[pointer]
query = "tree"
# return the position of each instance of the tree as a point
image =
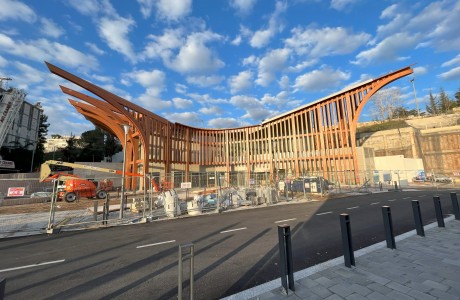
(432, 107)
(457, 97)
(40, 149)
(385, 102)
(112, 146)
(445, 104)
(71, 151)
(402, 112)
(92, 142)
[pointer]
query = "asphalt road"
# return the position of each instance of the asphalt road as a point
(233, 251)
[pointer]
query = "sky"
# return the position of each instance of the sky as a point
(225, 63)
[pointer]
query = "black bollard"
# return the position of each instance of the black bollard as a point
(453, 197)
(418, 218)
(2, 288)
(286, 264)
(388, 225)
(348, 254)
(95, 207)
(438, 209)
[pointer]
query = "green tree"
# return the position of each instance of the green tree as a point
(112, 146)
(71, 151)
(39, 156)
(92, 142)
(457, 98)
(445, 104)
(432, 107)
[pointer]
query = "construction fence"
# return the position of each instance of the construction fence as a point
(29, 206)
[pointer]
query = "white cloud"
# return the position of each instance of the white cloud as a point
(40, 50)
(254, 108)
(195, 57)
(162, 46)
(206, 100)
(16, 10)
(236, 41)
(453, 74)
(213, 110)
(3, 62)
(115, 32)
(342, 4)
(86, 7)
(100, 78)
(320, 79)
(241, 82)
(452, 62)
(420, 70)
(303, 65)
(187, 118)
(205, 81)
(325, 41)
(226, 123)
(243, 7)
(154, 78)
(181, 103)
(95, 49)
(262, 37)
(50, 28)
(284, 83)
(181, 88)
(388, 49)
(250, 61)
(273, 62)
(172, 10)
(146, 7)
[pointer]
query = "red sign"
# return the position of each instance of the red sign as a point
(16, 191)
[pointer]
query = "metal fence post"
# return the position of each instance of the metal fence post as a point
(180, 271)
(95, 207)
(388, 225)
(438, 209)
(455, 208)
(2, 288)
(418, 218)
(346, 240)
(285, 249)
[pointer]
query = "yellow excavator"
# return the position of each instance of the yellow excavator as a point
(73, 187)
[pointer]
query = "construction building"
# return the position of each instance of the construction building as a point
(319, 136)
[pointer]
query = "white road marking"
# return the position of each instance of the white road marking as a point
(374, 203)
(285, 220)
(225, 231)
(421, 196)
(324, 213)
(353, 207)
(160, 243)
(34, 265)
(391, 200)
(406, 197)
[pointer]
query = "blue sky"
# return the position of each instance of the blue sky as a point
(225, 63)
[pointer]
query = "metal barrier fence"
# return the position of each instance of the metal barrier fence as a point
(29, 206)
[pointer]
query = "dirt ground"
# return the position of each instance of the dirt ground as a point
(45, 207)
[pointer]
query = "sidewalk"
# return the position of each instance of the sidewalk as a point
(420, 268)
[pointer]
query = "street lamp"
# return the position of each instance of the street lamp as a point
(415, 96)
(126, 129)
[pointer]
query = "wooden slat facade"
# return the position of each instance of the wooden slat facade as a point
(315, 137)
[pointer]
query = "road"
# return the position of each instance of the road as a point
(233, 251)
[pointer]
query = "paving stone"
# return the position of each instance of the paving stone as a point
(398, 287)
(341, 290)
(436, 285)
(442, 295)
(379, 288)
(334, 297)
(355, 297)
(376, 296)
(420, 296)
(359, 289)
(321, 291)
(307, 282)
(326, 282)
(399, 296)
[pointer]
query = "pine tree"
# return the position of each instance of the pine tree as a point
(432, 107)
(445, 104)
(42, 132)
(457, 97)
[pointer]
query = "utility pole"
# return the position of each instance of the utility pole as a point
(415, 96)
